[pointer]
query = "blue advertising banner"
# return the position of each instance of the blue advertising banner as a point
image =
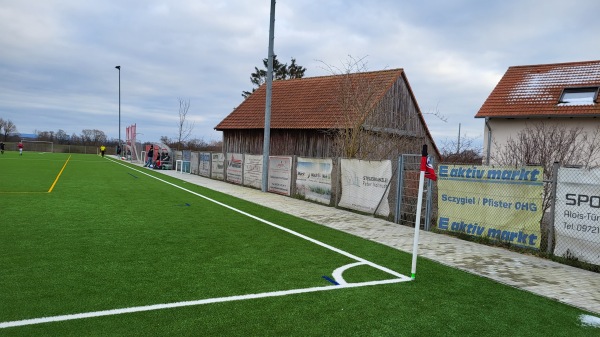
(499, 203)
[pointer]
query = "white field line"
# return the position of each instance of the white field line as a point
(189, 303)
(337, 274)
(324, 245)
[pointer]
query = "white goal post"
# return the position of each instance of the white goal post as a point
(38, 146)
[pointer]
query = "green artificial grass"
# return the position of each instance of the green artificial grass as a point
(108, 236)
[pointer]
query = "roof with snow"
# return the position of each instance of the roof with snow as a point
(547, 90)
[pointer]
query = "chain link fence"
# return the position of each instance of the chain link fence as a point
(503, 204)
(575, 214)
(407, 190)
(39, 146)
(516, 206)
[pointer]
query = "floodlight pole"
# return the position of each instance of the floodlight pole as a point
(267, 133)
(119, 144)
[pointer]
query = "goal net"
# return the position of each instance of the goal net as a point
(38, 146)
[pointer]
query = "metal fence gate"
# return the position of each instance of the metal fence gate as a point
(407, 191)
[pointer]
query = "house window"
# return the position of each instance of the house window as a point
(578, 96)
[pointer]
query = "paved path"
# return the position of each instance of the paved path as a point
(573, 286)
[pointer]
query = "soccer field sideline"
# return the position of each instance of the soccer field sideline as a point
(339, 283)
(180, 263)
(563, 283)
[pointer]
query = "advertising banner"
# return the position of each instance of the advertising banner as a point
(204, 164)
(253, 170)
(577, 214)
(186, 164)
(280, 175)
(313, 179)
(500, 203)
(235, 164)
(365, 184)
(218, 166)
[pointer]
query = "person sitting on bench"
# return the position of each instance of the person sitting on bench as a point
(165, 161)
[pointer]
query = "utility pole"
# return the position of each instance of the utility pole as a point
(119, 145)
(458, 142)
(267, 133)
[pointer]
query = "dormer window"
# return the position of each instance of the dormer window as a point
(579, 96)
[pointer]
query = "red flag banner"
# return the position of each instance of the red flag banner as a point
(428, 168)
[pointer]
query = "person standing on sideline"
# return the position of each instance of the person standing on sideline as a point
(2, 147)
(102, 150)
(150, 156)
(20, 148)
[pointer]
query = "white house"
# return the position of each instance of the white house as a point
(564, 94)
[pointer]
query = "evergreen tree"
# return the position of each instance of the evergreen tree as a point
(280, 72)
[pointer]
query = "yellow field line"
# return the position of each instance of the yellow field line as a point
(58, 176)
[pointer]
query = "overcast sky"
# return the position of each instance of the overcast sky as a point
(58, 57)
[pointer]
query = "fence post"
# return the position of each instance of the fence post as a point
(243, 167)
(294, 168)
(338, 183)
(555, 168)
(399, 187)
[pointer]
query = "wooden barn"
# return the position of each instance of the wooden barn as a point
(367, 115)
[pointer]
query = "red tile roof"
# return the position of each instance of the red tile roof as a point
(305, 103)
(534, 91)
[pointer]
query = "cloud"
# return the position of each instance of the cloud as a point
(58, 56)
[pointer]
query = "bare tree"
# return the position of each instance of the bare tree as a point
(371, 126)
(185, 128)
(8, 127)
(543, 144)
(86, 136)
(461, 151)
(166, 140)
(197, 144)
(99, 137)
(44, 135)
(75, 139)
(62, 137)
(215, 146)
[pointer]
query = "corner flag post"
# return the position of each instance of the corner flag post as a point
(426, 171)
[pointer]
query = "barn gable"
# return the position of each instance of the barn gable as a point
(308, 114)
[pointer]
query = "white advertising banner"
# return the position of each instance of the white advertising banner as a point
(280, 175)
(365, 184)
(218, 166)
(235, 162)
(253, 170)
(577, 214)
(313, 179)
(204, 164)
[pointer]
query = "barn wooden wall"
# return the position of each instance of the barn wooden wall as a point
(309, 143)
(396, 114)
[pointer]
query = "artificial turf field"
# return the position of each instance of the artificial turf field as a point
(91, 246)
